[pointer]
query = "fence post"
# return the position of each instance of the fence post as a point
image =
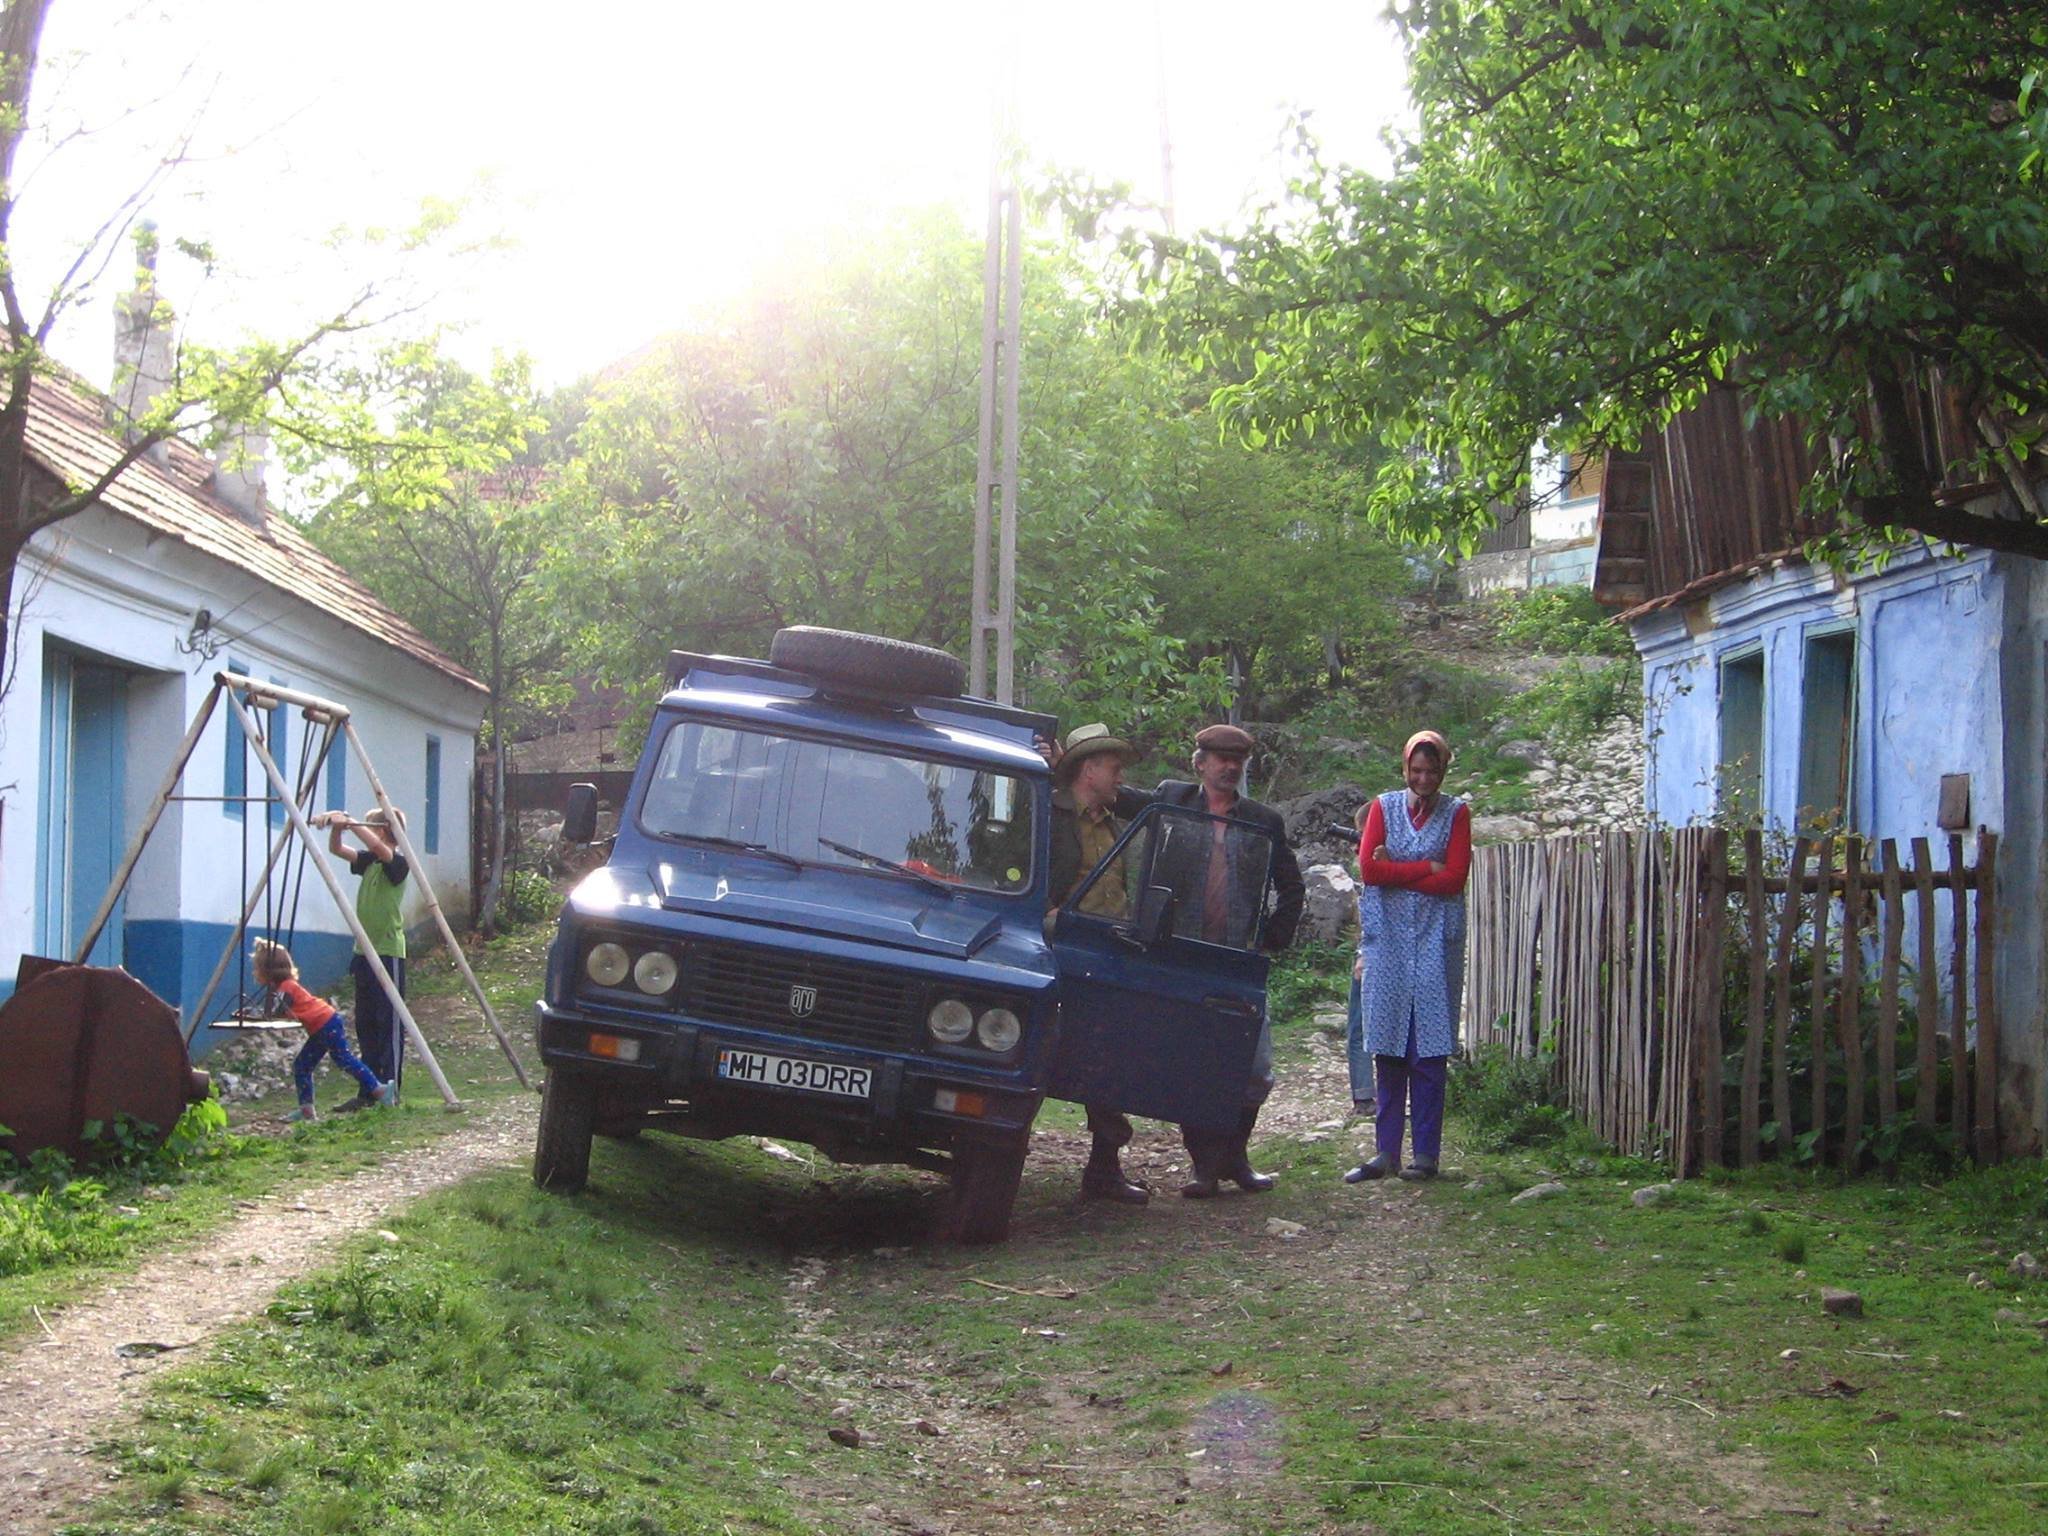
(1851, 1014)
(1759, 973)
(1986, 1140)
(1817, 1002)
(1959, 993)
(1928, 1032)
(1894, 899)
(1709, 992)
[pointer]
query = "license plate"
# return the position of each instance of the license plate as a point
(794, 1072)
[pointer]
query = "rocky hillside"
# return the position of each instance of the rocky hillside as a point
(1539, 700)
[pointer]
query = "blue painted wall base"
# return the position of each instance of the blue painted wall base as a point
(173, 959)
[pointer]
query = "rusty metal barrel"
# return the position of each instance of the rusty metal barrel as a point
(84, 1043)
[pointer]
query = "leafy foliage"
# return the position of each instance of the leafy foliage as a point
(810, 458)
(1561, 621)
(1571, 705)
(51, 1213)
(1507, 1100)
(529, 898)
(1607, 207)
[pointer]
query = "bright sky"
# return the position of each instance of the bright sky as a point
(643, 158)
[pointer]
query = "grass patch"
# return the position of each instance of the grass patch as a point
(60, 1235)
(514, 1362)
(1922, 1409)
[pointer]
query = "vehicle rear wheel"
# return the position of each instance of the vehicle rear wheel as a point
(871, 661)
(568, 1114)
(986, 1177)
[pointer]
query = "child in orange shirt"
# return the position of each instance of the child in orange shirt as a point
(326, 1031)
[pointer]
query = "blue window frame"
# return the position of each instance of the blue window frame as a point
(337, 773)
(235, 775)
(280, 750)
(433, 794)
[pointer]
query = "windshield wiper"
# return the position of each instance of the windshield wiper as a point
(732, 842)
(861, 855)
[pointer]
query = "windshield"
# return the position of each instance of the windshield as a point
(968, 826)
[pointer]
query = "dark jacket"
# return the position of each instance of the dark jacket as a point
(1285, 877)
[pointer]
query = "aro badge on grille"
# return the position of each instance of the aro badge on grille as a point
(802, 1000)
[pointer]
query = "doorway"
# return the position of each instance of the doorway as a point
(82, 783)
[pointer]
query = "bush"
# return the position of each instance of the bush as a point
(52, 1214)
(1562, 621)
(1572, 704)
(528, 898)
(1508, 1100)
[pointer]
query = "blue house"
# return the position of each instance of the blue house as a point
(1897, 702)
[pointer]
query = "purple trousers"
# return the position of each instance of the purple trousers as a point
(1409, 1085)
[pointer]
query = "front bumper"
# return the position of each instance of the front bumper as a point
(678, 1061)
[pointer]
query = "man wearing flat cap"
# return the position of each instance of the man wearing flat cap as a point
(1211, 879)
(1086, 779)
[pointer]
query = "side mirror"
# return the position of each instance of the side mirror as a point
(1154, 921)
(579, 816)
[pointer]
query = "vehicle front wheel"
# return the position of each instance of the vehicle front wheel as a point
(986, 1177)
(568, 1115)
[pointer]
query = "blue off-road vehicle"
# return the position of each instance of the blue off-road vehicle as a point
(824, 918)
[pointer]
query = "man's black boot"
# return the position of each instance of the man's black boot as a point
(1103, 1179)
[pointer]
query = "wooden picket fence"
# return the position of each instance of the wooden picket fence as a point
(1612, 951)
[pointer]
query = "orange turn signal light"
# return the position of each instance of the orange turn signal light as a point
(617, 1047)
(955, 1101)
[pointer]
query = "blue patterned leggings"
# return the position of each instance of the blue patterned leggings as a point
(330, 1039)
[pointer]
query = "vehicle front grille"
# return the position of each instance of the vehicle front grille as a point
(759, 988)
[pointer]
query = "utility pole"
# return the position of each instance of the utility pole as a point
(995, 615)
(1165, 123)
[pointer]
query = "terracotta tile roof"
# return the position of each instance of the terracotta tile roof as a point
(67, 436)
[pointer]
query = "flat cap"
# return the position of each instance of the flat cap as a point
(1225, 738)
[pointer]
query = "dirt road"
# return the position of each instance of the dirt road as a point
(1060, 1457)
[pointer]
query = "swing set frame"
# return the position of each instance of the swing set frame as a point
(243, 696)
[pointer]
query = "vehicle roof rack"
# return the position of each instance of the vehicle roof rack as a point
(963, 708)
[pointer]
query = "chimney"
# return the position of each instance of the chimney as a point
(142, 342)
(238, 471)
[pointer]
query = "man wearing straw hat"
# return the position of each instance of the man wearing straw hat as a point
(1086, 777)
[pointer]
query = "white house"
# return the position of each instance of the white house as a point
(122, 615)
(1550, 540)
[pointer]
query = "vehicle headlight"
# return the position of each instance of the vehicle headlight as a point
(654, 972)
(950, 1021)
(606, 964)
(999, 1029)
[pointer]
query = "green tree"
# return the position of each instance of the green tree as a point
(1266, 560)
(810, 458)
(432, 507)
(1606, 207)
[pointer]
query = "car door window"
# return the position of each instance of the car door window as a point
(1211, 870)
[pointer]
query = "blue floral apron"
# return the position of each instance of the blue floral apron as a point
(1414, 945)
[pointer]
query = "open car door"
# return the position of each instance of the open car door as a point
(1162, 983)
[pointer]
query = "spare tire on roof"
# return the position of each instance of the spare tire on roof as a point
(870, 661)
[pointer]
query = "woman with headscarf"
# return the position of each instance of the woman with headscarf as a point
(1413, 857)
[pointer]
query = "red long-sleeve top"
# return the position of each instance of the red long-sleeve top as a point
(311, 1012)
(1415, 874)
